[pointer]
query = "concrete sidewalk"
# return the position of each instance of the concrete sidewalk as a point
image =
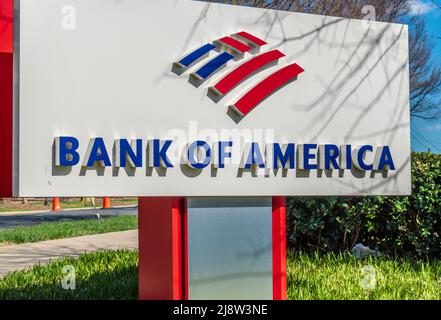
(18, 257)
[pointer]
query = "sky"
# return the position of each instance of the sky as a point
(427, 134)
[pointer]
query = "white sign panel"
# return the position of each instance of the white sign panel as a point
(187, 98)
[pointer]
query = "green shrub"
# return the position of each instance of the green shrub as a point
(399, 226)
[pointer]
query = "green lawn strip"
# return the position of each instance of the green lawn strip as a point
(68, 229)
(73, 204)
(113, 275)
(6, 210)
(343, 277)
(99, 275)
(66, 204)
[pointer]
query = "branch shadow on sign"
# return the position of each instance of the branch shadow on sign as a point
(202, 16)
(330, 92)
(373, 189)
(358, 84)
(346, 78)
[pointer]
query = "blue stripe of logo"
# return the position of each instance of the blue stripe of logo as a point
(196, 55)
(213, 65)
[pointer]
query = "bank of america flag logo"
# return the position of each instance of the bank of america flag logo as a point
(233, 48)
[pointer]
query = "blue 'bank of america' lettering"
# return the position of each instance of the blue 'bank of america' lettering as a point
(200, 154)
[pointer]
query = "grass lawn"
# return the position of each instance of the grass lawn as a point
(68, 229)
(342, 277)
(100, 275)
(67, 203)
(113, 275)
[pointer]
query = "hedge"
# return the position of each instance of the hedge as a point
(397, 226)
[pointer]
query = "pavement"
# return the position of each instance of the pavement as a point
(20, 219)
(23, 256)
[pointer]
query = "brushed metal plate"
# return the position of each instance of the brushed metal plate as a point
(230, 248)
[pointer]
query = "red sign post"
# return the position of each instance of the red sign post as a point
(163, 248)
(6, 96)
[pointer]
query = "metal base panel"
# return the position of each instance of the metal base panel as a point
(229, 243)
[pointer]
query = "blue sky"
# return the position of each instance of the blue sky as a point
(427, 134)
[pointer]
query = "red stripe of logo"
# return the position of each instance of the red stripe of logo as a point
(242, 47)
(249, 67)
(250, 38)
(266, 87)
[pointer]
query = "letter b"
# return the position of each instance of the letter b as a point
(66, 154)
